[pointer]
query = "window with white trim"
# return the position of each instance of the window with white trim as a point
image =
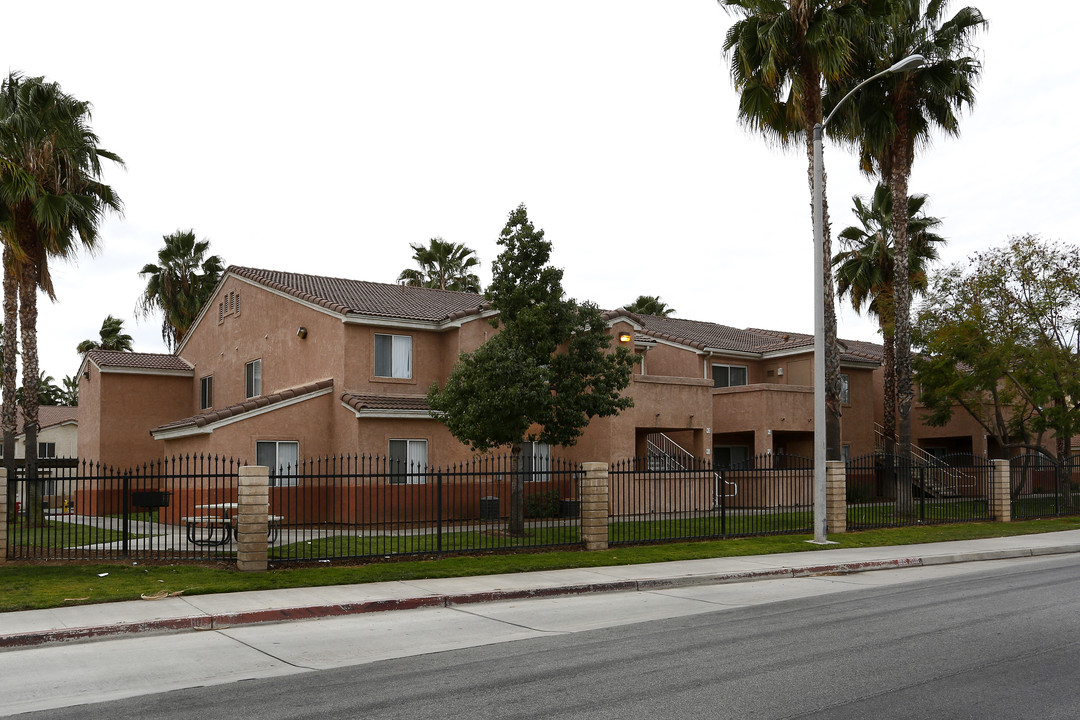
(393, 356)
(408, 462)
(46, 450)
(282, 457)
(206, 392)
(845, 390)
(253, 379)
(728, 375)
(536, 460)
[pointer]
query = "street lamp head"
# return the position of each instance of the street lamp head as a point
(909, 63)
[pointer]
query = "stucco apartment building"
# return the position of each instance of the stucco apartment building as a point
(284, 366)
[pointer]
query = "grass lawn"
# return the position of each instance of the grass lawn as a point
(53, 534)
(24, 587)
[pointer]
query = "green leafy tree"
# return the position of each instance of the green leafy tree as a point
(999, 336)
(545, 375)
(650, 305)
(53, 201)
(782, 54)
(179, 284)
(49, 393)
(112, 337)
(865, 272)
(70, 391)
(443, 265)
(889, 120)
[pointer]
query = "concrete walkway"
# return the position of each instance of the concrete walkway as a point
(209, 612)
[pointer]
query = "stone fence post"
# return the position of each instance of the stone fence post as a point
(594, 506)
(1000, 491)
(252, 523)
(836, 496)
(3, 515)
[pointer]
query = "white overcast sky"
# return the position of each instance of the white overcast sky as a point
(324, 137)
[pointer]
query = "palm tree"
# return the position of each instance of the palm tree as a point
(70, 392)
(55, 202)
(650, 305)
(112, 335)
(865, 272)
(179, 284)
(443, 265)
(889, 120)
(782, 54)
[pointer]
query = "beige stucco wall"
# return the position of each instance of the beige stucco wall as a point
(66, 437)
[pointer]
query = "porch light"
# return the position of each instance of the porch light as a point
(624, 337)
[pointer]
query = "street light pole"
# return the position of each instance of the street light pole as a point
(820, 500)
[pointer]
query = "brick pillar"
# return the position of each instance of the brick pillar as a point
(594, 506)
(1000, 486)
(3, 516)
(836, 496)
(251, 518)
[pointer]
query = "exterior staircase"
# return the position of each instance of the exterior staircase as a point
(940, 480)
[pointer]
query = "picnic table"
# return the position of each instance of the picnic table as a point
(220, 528)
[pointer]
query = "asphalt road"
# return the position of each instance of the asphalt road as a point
(984, 640)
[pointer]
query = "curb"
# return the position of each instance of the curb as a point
(222, 621)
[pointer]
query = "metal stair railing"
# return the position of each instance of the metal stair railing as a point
(670, 455)
(942, 480)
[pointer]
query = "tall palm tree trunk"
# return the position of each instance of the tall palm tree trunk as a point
(10, 408)
(31, 379)
(899, 169)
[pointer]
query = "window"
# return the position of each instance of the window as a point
(393, 356)
(46, 450)
(845, 392)
(253, 379)
(725, 456)
(536, 460)
(206, 392)
(845, 453)
(728, 375)
(282, 457)
(408, 461)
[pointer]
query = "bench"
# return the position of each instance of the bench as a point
(273, 527)
(211, 522)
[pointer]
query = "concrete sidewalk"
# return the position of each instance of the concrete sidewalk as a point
(209, 612)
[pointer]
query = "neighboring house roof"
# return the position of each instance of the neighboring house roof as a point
(50, 416)
(115, 360)
(207, 421)
(358, 297)
(712, 337)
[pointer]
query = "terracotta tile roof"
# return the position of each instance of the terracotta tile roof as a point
(48, 416)
(358, 297)
(702, 335)
(386, 402)
(256, 403)
(137, 361)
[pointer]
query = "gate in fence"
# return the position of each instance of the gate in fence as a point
(691, 500)
(890, 490)
(1044, 486)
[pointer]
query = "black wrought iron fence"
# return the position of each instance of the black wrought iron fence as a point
(767, 494)
(1044, 486)
(362, 506)
(890, 490)
(171, 509)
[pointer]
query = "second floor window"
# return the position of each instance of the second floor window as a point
(206, 392)
(393, 356)
(845, 390)
(728, 375)
(253, 379)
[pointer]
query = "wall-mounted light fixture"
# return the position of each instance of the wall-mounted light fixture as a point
(302, 332)
(86, 374)
(625, 337)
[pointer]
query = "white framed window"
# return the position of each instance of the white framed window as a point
(393, 356)
(206, 392)
(729, 375)
(536, 460)
(845, 390)
(46, 450)
(253, 379)
(408, 462)
(282, 457)
(845, 453)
